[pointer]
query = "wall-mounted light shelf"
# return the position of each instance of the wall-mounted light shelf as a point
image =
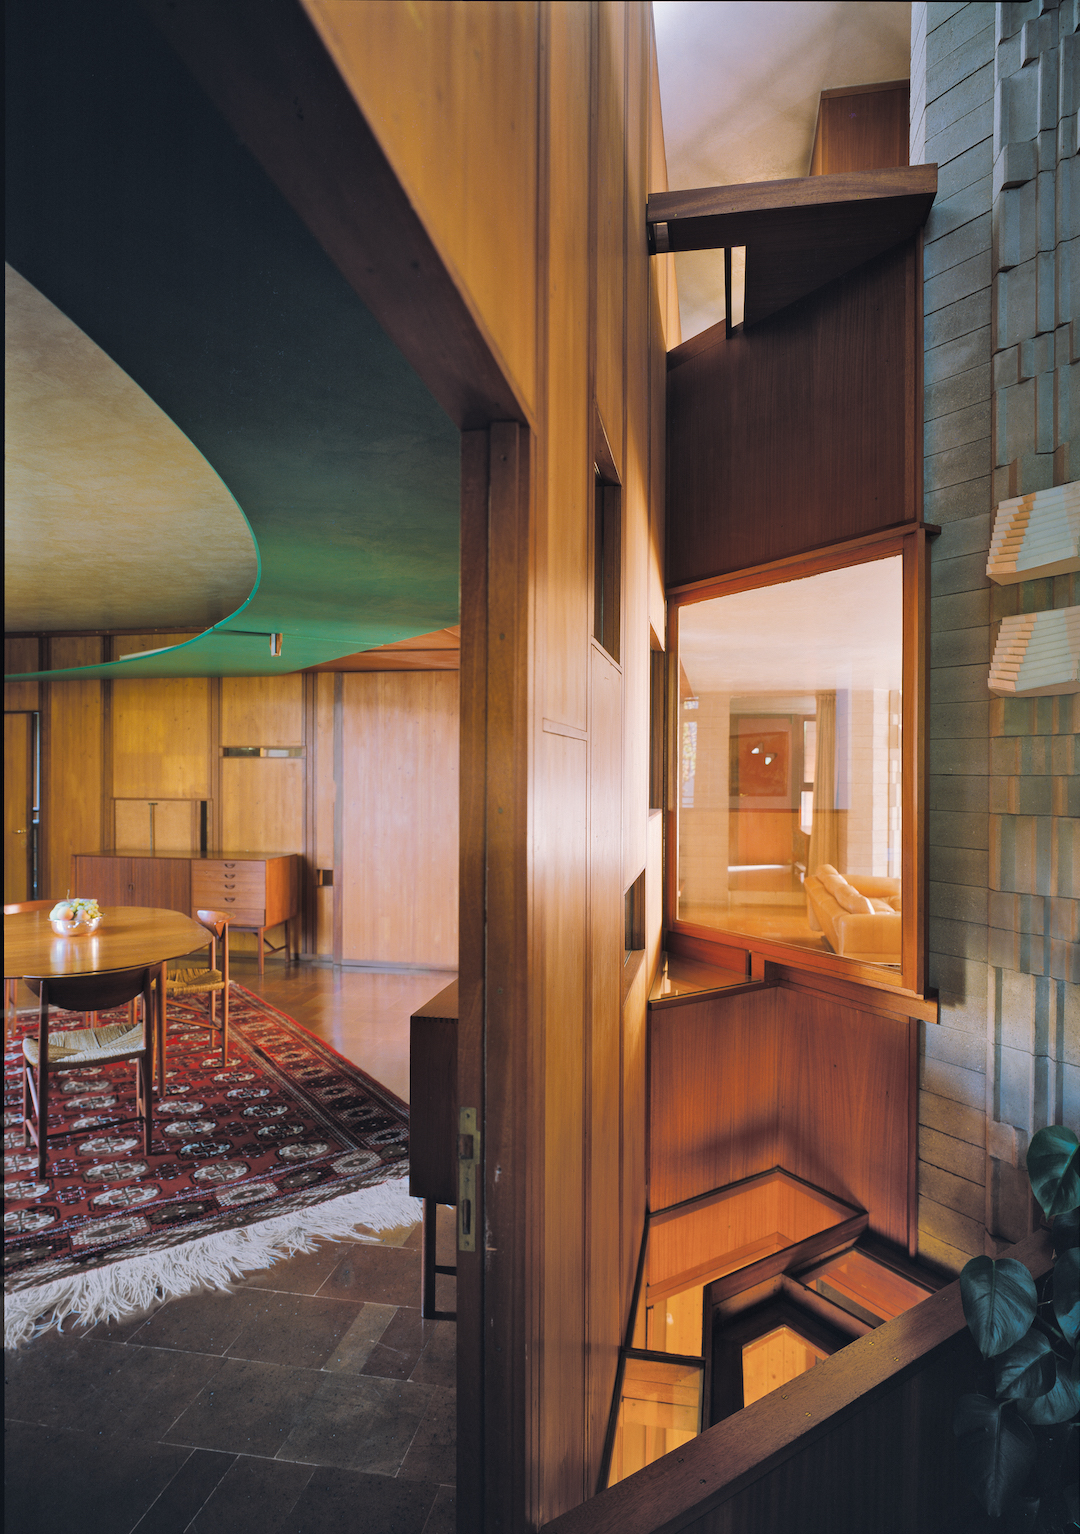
(275, 751)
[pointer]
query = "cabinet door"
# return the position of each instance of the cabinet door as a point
(162, 883)
(106, 880)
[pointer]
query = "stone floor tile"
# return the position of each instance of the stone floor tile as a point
(199, 1323)
(383, 1274)
(303, 1273)
(437, 1364)
(335, 1500)
(248, 1408)
(354, 1347)
(58, 1480)
(443, 1516)
(252, 1494)
(301, 1329)
(432, 1454)
(365, 1424)
(186, 1493)
(399, 1349)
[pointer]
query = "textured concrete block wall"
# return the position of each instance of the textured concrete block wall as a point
(994, 104)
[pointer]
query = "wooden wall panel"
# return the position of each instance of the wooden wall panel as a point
(399, 793)
(321, 763)
(862, 127)
(262, 710)
(603, 1060)
(565, 473)
(161, 738)
(789, 436)
(262, 804)
(71, 815)
(20, 655)
(710, 1123)
(843, 1106)
(176, 825)
(609, 207)
(562, 1330)
(450, 91)
(636, 640)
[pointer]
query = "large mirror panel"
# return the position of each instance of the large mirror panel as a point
(790, 764)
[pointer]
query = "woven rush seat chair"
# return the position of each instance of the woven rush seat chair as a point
(11, 985)
(71, 1049)
(186, 979)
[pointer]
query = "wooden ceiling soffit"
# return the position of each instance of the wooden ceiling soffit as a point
(272, 79)
(798, 234)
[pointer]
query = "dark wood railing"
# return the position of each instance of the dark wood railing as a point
(862, 1442)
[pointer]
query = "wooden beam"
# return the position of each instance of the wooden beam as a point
(799, 234)
(269, 74)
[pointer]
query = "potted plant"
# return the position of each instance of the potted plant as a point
(1018, 1437)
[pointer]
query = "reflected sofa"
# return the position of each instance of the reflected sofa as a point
(859, 915)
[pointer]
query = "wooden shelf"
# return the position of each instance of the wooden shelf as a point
(799, 234)
(681, 980)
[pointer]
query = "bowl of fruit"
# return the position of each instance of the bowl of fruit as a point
(70, 916)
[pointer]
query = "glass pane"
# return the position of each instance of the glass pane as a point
(659, 1410)
(789, 772)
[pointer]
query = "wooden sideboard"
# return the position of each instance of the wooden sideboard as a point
(255, 891)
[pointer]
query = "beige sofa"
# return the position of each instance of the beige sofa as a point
(859, 916)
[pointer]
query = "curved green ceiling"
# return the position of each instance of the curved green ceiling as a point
(136, 211)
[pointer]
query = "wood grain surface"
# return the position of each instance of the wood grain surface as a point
(810, 1457)
(791, 437)
(128, 938)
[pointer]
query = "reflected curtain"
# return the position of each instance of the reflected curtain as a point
(825, 830)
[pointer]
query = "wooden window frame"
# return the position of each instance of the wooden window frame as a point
(911, 544)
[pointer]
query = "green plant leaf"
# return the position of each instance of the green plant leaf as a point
(1067, 1230)
(1027, 1369)
(1067, 1292)
(1060, 1403)
(997, 1450)
(1053, 1163)
(999, 1302)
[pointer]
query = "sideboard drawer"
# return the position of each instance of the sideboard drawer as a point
(211, 880)
(239, 915)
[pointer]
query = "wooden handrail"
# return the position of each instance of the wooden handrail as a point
(863, 1440)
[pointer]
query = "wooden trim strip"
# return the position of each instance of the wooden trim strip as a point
(556, 727)
(832, 556)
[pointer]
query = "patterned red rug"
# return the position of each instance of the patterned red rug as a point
(288, 1143)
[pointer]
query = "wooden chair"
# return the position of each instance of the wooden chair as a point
(11, 985)
(73, 1049)
(185, 980)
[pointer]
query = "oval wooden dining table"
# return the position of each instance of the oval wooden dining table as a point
(129, 937)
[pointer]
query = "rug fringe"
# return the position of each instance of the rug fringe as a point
(121, 1289)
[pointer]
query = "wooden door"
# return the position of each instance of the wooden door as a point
(163, 884)
(104, 879)
(18, 805)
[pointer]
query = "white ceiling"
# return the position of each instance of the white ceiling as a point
(739, 87)
(841, 629)
(113, 518)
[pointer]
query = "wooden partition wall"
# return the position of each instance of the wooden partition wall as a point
(526, 138)
(370, 797)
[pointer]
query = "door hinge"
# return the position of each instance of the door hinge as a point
(468, 1157)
